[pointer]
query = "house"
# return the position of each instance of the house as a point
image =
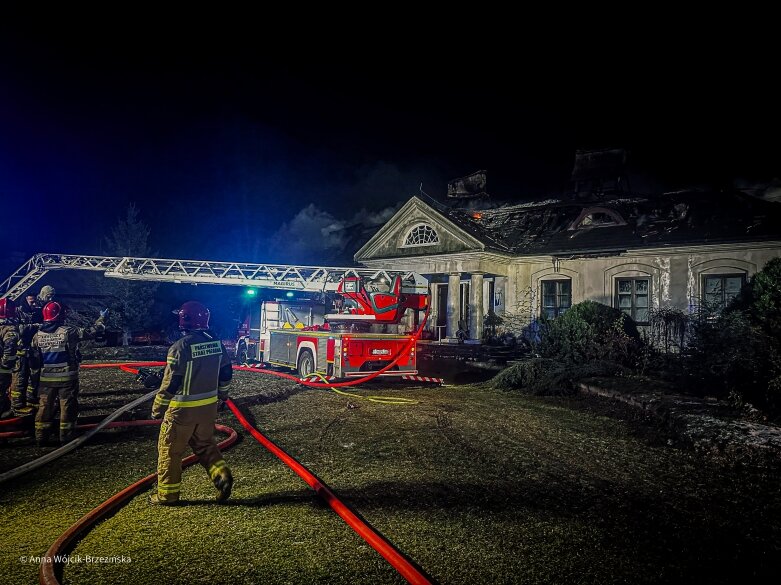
(599, 242)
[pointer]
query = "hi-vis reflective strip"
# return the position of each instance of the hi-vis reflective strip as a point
(169, 488)
(215, 469)
(188, 375)
(60, 377)
(194, 400)
(162, 401)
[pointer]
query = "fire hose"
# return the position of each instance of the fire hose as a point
(49, 568)
(57, 453)
(390, 553)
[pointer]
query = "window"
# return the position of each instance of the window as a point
(421, 235)
(632, 297)
(556, 297)
(720, 289)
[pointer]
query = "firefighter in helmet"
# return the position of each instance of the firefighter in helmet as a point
(54, 350)
(197, 374)
(24, 391)
(9, 337)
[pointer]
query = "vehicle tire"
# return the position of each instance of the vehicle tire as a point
(306, 363)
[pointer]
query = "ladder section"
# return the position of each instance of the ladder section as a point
(276, 276)
(31, 271)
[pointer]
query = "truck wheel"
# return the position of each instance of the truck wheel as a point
(306, 363)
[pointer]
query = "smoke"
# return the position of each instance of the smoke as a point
(335, 227)
(316, 236)
(767, 190)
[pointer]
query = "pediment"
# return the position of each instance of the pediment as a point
(417, 229)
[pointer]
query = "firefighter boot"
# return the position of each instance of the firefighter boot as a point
(154, 500)
(224, 484)
(66, 432)
(43, 434)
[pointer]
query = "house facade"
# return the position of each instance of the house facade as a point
(632, 252)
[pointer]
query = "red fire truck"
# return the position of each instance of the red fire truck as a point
(345, 332)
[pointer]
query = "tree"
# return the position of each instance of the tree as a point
(131, 302)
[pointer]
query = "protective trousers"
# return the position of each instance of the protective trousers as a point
(184, 426)
(5, 384)
(47, 408)
(25, 385)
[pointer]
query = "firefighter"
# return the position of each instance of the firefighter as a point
(197, 374)
(54, 351)
(9, 337)
(24, 389)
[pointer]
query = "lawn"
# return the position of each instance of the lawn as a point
(474, 485)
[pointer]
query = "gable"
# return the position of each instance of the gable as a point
(417, 229)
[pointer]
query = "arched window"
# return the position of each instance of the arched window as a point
(421, 235)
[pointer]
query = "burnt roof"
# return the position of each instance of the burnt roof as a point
(629, 222)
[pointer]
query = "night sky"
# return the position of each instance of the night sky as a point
(231, 154)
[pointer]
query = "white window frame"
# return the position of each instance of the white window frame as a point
(407, 235)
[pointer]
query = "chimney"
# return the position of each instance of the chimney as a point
(469, 187)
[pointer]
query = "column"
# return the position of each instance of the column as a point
(476, 311)
(453, 298)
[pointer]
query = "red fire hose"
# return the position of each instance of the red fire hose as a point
(390, 553)
(49, 569)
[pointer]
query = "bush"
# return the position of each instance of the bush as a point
(589, 331)
(738, 353)
(590, 339)
(548, 377)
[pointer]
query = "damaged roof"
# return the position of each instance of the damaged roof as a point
(576, 226)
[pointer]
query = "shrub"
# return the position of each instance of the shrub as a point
(738, 353)
(544, 376)
(590, 339)
(589, 331)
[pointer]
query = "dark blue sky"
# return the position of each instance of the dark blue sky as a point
(230, 154)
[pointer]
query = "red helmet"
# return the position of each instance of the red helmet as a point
(193, 315)
(53, 311)
(7, 310)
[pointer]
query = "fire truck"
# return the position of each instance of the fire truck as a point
(334, 321)
(343, 331)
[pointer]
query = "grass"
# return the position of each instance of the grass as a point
(475, 485)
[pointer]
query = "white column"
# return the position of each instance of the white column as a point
(453, 304)
(476, 311)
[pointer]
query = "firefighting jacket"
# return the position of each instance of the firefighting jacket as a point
(54, 350)
(9, 338)
(197, 367)
(26, 333)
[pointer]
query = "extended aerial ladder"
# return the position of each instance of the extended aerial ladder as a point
(380, 295)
